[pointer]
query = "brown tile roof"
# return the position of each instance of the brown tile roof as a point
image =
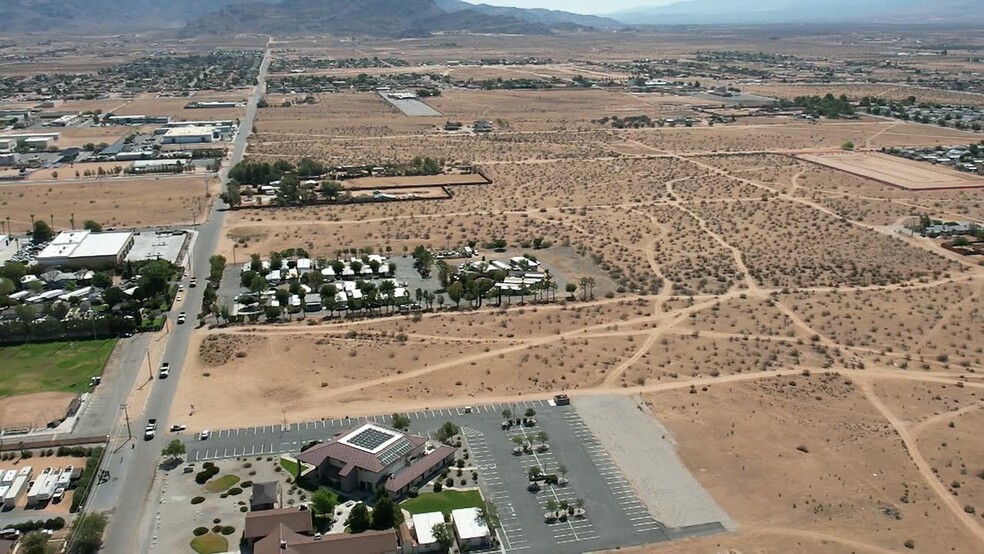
(418, 468)
(261, 524)
(369, 542)
(265, 493)
(350, 455)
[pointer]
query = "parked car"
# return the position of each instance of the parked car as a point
(178, 297)
(205, 435)
(165, 370)
(58, 494)
(562, 400)
(177, 428)
(180, 287)
(95, 381)
(193, 283)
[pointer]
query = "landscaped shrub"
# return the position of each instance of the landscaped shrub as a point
(55, 523)
(437, 487)
(228, 530)
(414, 492)
(243, 509)
(449, 482)
(216, 528)
(199, 531)
(207, 465)
(246, 484)
(198, 500)
(235, 490)
(216, 520)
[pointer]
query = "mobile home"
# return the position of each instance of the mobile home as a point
(39, 483)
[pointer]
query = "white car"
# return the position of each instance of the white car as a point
(165, 370)
(181, 287)
(178, 297)
(204, 435)
(182, 317)
(177, 428)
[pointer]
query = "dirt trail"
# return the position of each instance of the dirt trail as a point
(909, 441)
(921, 426)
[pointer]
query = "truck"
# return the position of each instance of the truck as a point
(16, 490)
(8, 477)
(35, 491)
(151, 429)
(65, 477)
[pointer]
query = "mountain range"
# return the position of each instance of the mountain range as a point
(381, 18)
(714, 12)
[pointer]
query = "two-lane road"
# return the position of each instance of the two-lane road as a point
(133, 468)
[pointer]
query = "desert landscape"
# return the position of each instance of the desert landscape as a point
(757, 278)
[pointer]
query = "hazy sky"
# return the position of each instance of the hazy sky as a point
(577, 6)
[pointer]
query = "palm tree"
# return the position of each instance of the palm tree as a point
(387, 289)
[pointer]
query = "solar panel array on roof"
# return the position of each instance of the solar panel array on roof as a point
(370, 438)
(395, 452)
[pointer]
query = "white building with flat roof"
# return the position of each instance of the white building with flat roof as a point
(423, 527)
(470, 528)
(86, 249)
(191, 134)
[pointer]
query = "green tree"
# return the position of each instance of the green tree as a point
(112, 296)
(400, 421)
(93, 226)
(848, 145)
(331, 189)
(445, 272)
(35, 542)
(174, 449)
(323, 502)
(86, 534)
(154, 277)
(232, 195)
(456, 292)
(14, 271)
(358, 519)
(258, 284)
(102, 280)
(272, 313)
(7, 287)
(384, 513)
(570, 288)
(42, 232)
(442, 533)
(490, 513)
(446, 431)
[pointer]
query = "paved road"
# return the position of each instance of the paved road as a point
(133, 467)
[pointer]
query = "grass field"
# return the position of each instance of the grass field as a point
(222, 483)
(209, 544)
(55, 366)
(442, 502)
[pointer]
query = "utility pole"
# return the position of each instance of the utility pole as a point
(150, 371)
(52, 220)
(73, 220)
(126, 415)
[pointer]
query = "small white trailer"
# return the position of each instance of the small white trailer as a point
(16, 490)
(39, 484)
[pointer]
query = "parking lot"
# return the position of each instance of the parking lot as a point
(614, 516)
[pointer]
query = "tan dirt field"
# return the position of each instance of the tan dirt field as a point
(429, 180)
(896, 171)
(818, 366)
(113, 202)
(34, 410)
(149, 104)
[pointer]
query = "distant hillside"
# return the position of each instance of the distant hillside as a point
(712, 12)
(121, 16)
(380, 18)
(535, 15)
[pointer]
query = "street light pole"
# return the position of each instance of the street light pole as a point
(150, 371)
(126, 415)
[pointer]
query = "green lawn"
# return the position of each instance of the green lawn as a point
(53, 366)
(442, 501)
(220, 484)
(209, 543)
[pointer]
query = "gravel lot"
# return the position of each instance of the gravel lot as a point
(634, 439)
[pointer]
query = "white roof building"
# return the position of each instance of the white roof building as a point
(423, 526)
(469, 526)
(86, 249)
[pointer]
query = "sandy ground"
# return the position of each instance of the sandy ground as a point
(34, 410)
(806, 357)
(897, 171)
(149, 104)
(113, 202)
